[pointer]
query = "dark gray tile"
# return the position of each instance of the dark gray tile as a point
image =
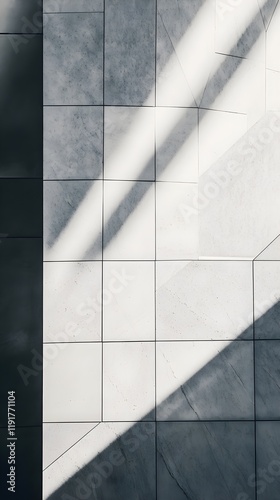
(28, 464)
(19, 16)
(268, 460)
(199, 461)
(21, 207)
(222, 389)
(267, 299)
(77, 79)
(21, 327)
(130, 52)
(267, 379)
(21, 106)
(73, 142)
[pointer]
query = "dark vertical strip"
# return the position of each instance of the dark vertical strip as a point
(254, 368)
(21, 224)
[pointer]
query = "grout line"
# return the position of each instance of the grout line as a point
(254, 374)
(151, 181)
(141, 260)
(75, 12)
(238, 420)
(163, 341)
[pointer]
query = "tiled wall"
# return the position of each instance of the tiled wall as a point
(161, 273)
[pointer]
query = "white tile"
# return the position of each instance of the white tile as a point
(72, 382)
(127, 129)
(183, 56)
(272, 90)
(177, 144)
(129, 381)
(129, 301)
(233, 222)
(129, 220)
(267, 299)
(204, 380)
(58, 438)
(239, 28)
(72, 301)
(273, 41)
(218, 132)
(204, 300)
(72, 220)
(229, 87)
(176, 221)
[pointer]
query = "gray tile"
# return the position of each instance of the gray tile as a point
(205, 381)
(268, 460)
(77, 79)
(73, 142)
(73, 5)
(127, 129)
(130, 52)
(267, 299)
(204, 300)
(272, 251)
(199, 461)
(72, 220)
(267, 360)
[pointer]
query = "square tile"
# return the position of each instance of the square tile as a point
(267, 299)
(21, 17)
(73, 142)
(115, 460)
(21, 75)
(177, 144)
(77, 79)
(176, 221)
(72, 220)
(72, 301)
(129, 301)
(129, 381)
(204, 300)
(130, 53)
(267, 357)
(72, 382)
(127, 129)
(21, 207)
(205, 381)
(129, 220)
(205, 460)
(218, 132)
(268, 459)
(73, 6)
